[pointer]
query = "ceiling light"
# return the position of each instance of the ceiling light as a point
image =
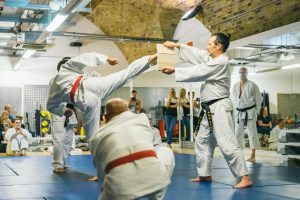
(291, 66)
(17, 65)
(56, 22)
(192, 12)
(28, 53)
(284, 56)
(55, 5)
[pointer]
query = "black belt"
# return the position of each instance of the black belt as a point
(245, 110)
(205, 108)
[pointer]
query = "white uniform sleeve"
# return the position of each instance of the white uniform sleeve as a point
(9, 133)
(26, 132)
(192, 55)
(97, 162)
(87, 59)
(258, 98)
(234, 95)
(198, 73)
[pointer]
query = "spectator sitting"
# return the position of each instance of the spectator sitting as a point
(273, 140)
(18, 137)
(20, 118)
(5, 124)
(264, 125)
(8, 108)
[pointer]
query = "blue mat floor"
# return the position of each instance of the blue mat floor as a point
(32, 178)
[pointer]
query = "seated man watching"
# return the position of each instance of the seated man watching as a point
(273, 140)
(18, 138)
(126, 161)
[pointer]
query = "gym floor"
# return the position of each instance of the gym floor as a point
(31, 177)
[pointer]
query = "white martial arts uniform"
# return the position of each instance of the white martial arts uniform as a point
(62, 139)
(19, 142)
(92, 90)
(250, 97)
(149, 177)
(273, 140)
(216, 74)
(156, 136)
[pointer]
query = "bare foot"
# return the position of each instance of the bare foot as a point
(67, 167)
(245, 183)
(95, 178)
(59, 170)
(251, 159)
(201, 179)
(23, 152)
(169, 145)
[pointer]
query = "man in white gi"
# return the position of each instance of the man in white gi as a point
(125, 158)
(18, 138)
(72, 85)
(274, 135)
(62, 134)
(246, 100)
(216, 128)
(156, 135)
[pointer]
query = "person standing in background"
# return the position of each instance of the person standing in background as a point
(184, 112)
(171, 114)
(246, 99)
(134, 104)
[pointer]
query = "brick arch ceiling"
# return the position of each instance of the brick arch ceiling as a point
(159, 18)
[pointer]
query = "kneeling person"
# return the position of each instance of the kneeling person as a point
(125, 158)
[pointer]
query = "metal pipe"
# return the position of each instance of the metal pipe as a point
(243, 13)
(114, 38)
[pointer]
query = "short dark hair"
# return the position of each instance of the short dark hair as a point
(133, 91)
(63, 61)
(223, 39)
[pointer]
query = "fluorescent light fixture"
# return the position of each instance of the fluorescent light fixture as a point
(191, 13)
(291, 66)
(28, 53)
(56, 22)
(55, 5)
(3, 43)
(17, 65)
(284, 56)
(246, 48)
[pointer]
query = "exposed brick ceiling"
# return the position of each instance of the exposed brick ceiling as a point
(159, 18)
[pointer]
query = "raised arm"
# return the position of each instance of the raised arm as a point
(90, 59)
(198, 73)
(189, 54)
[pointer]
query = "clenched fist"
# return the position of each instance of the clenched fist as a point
(112, 61)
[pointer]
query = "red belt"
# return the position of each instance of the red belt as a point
(75, 87)
(129, 158)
